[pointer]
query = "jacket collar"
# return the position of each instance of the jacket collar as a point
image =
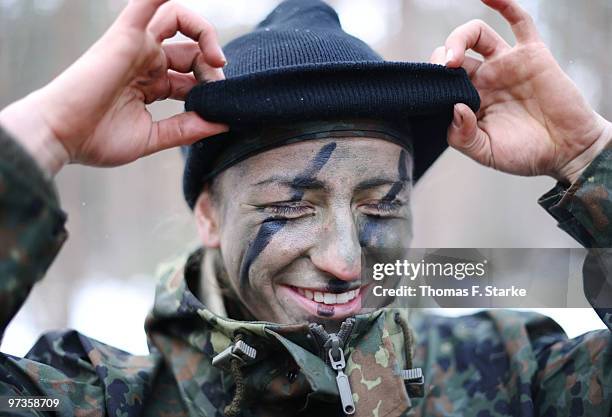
(189, 335)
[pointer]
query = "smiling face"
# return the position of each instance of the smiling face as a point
(291, 224)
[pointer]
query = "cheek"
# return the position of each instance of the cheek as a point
(384, 233)
(288, 244)
(232, 242)
(254, 254)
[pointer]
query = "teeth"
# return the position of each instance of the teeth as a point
(327, 297)
(343, 298)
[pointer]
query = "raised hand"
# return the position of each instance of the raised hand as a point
(533, 120)
(95, 112)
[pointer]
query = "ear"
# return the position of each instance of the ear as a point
(207, 219)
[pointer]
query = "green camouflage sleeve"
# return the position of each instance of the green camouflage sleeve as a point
(574, 376)
(31, 226)
(584, 210)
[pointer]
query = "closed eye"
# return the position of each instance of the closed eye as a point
(382, 208)
(288, 211)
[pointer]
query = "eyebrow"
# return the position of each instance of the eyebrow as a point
(377, 182)
(296, 183)
(315, 184)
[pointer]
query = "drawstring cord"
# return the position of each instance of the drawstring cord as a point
(235, 407)
(322, 337)
(413, 377)
(408, 338)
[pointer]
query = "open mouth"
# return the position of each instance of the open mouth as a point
(336, 305)
(328, 297)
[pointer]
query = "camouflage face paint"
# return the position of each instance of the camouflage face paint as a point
(337, 286)
(295, 225)
(402, 169)
(325, 310)
(371, 232)
(271, 226)
(268, 229)
(317, 163)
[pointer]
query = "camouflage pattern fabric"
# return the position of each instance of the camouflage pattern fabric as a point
(584, 211)
(494, 363)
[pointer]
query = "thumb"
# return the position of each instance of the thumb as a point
(465, 136)
(181, 129)
(138, 13)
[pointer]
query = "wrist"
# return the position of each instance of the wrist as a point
(23, 121)
(573, 169)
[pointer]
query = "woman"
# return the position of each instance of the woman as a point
(508, 364)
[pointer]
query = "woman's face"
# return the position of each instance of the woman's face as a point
(292, 223)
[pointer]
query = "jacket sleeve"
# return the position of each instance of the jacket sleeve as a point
(584, 210)
(31, 226)
(574, 376)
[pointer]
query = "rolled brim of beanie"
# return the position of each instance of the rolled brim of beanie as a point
(309, 92)
(208, 158)
(419, 94)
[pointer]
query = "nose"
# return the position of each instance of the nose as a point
(337, 251)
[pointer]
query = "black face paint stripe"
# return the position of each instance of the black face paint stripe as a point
(317, 163)
(265, 233)
(272, 226)
(325, 310)
(337, 286)
(370, 230)
(402, 169)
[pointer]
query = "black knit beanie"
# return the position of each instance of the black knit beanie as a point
(298, 65)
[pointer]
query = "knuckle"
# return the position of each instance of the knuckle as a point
(181, 130)
(528, 19)
(207, 27)
(465, 31)
(477, 23)
(166, 9)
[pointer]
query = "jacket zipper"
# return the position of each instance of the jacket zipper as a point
(332, 349)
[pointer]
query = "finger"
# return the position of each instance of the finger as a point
(181, 56)
(180, 85)
(138, 13)
(173, 17)
(465, 136)
(520, 21)
(186, 57)
(475, 35)
(438, 56)
(205, 73)
(181, 129)
(471, 65)
(174, 85)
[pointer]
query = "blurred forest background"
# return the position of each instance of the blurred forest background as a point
(124, 221)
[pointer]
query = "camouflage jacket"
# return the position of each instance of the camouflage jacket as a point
(494, 363)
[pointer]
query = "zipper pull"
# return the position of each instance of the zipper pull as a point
(344, 388)
(332, 344)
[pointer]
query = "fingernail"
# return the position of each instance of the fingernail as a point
(457, 119)
(223, 58)
(449, 56)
